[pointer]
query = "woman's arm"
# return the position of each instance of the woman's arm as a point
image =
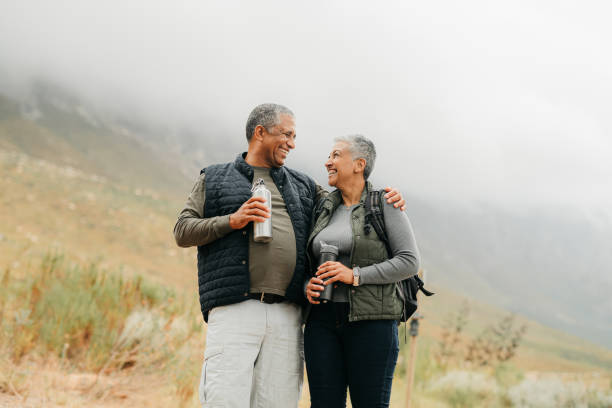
(405, 258)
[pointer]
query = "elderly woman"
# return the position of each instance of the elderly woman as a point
(352, 340)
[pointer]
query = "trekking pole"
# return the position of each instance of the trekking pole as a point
(414, 332)
(411, 362)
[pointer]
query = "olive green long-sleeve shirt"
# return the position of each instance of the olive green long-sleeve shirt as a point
(271, 265)
(193, 229)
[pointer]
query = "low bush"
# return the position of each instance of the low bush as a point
(555, 393)
(95, 321)
(461, 388)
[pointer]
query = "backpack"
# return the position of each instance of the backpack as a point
(407, 288)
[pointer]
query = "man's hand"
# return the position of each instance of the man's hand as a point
(335, 271)
(394, 196)
(253, 209)
(314, 289)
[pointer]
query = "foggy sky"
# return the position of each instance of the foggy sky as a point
(476, 101)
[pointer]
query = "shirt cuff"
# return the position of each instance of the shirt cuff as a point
(363, 277)
(223, 225)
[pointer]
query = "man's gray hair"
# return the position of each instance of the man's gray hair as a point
(266, 115)
(361, 148)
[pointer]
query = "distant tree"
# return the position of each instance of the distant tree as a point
(450, 339)
(497, 343)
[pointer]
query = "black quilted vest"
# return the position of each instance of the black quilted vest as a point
(223, 265)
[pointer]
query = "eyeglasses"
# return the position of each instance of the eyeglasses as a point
(287, 135)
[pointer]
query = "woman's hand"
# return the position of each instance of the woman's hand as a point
(314, 289)
(336, 272)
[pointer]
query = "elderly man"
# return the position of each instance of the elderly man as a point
(250, 292)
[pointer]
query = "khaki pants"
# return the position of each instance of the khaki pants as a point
(254, 356)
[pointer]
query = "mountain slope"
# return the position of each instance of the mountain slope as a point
(45, 207)
(552, 267)
(63, 131)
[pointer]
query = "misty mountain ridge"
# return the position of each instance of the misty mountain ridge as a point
(551, 266)
(50, 122)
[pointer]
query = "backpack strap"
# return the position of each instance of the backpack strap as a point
(421, 286)
(374, 217)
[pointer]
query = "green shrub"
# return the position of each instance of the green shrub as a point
(463, 398)
(507, 375)
(80, 314)
(460, 388)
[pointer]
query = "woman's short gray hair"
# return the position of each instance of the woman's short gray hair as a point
(361, 148)
(266, 115)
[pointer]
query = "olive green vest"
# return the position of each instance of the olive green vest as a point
(367, 302)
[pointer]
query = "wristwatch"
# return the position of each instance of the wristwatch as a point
(356, 276)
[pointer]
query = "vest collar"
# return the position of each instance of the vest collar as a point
(243, 167)
(247, 170)
(334, 199)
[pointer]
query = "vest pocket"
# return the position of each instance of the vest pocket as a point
(375, 302)
(366, 301)
(392, 303)
(373, 291)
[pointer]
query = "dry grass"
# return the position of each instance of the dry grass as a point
(105, 330)
(46, 207)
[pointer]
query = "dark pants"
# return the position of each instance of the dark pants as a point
(360, 355)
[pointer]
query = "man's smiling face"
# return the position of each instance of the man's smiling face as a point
(279, 140)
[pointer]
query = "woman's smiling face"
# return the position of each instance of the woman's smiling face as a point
(340, 164)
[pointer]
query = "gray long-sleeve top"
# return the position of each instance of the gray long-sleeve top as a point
(403, 263)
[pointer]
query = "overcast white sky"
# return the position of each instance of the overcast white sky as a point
(501, 102)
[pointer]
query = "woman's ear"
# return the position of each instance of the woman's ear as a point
(359, 165)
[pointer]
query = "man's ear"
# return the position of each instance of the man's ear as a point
(258, 133)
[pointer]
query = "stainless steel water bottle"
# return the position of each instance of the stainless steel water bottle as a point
(328, 253)
(262, 231)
